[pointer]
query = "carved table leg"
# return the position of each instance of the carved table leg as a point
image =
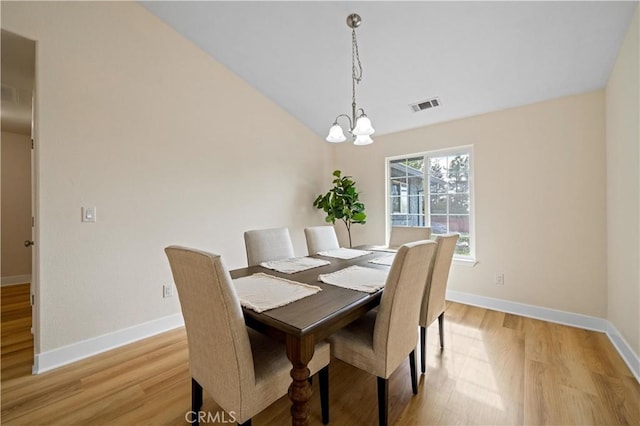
(300, 352)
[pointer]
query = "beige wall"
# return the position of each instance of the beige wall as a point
(539, 199)
(171, 147)
(16, 204)
(623, 188)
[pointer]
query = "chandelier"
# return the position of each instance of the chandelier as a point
(359, 124)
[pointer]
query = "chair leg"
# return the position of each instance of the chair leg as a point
(383, 395)
(412, 367)
(423, 349)
(196, 400)
(441, 329)
(323, 375)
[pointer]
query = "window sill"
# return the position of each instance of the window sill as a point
(462, 261)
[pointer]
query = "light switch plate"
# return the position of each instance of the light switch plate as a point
(88, 214)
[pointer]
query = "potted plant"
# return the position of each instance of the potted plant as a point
(341, 202)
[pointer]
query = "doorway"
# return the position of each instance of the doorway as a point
(18, 218)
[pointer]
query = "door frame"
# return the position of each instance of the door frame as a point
(34, 291)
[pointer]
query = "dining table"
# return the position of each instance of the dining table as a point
(305, 322)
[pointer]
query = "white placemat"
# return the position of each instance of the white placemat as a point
(383, 248)
(261, 292)
(295, 264)
(358, 278)
(384, 260)
(344, 253)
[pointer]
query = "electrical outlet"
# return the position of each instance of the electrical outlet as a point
(167, 290)
(499, 278)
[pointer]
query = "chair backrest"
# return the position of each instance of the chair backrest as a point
(395, 332)
(321, 238)
(219, 348)
(264, 245)
(405, 234)
(434, 297)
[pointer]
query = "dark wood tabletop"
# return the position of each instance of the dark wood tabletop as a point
(305, 322)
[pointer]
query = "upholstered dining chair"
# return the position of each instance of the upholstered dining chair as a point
(244, 371)
(406, 234)
(379, 342)
(321, 238)
(263, 245)
(433, 304)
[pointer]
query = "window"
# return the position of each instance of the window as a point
(434, 189)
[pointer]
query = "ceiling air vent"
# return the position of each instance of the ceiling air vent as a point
(421, 106)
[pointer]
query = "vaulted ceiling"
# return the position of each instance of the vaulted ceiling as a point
(476, 57)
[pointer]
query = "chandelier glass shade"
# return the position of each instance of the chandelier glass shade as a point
(360, 127)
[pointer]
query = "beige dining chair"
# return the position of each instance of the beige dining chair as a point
(433, 304)
(406, 234)
(263, 245)
(378, 343)
(321, 238)
(244, 371)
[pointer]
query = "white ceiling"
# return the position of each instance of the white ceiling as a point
(475, 56)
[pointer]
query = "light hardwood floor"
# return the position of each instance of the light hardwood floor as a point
(496, 368)
(16, 346)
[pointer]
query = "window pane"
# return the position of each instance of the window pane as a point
(458, 173)
(415, 220)
(437, 185)
(459, 204)
(395, 205)
(462, 247)
(398, 220)
(398, 168)
(459, 165)
(415, 204)
(459, 224)
(439, 224)
(438, 204)
(458, 187)
(415, 185)
(438, 166)
(415, 166)
(398, 186)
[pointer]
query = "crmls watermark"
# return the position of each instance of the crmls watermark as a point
(209, 417)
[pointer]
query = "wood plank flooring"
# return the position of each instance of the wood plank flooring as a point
(496, 368)
(16, 344)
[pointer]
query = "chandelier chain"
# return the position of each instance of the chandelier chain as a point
(360, 127)
(356, 72)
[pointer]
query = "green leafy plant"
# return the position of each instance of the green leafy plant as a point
(341, 202)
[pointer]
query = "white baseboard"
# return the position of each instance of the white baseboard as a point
(630, 358)
(58, 357)
(553, 315)
(67, 354)
(530, 311)
(15, 279)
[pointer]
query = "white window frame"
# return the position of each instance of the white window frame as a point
(470, 259)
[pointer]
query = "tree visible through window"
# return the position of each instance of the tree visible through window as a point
(444, 203)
